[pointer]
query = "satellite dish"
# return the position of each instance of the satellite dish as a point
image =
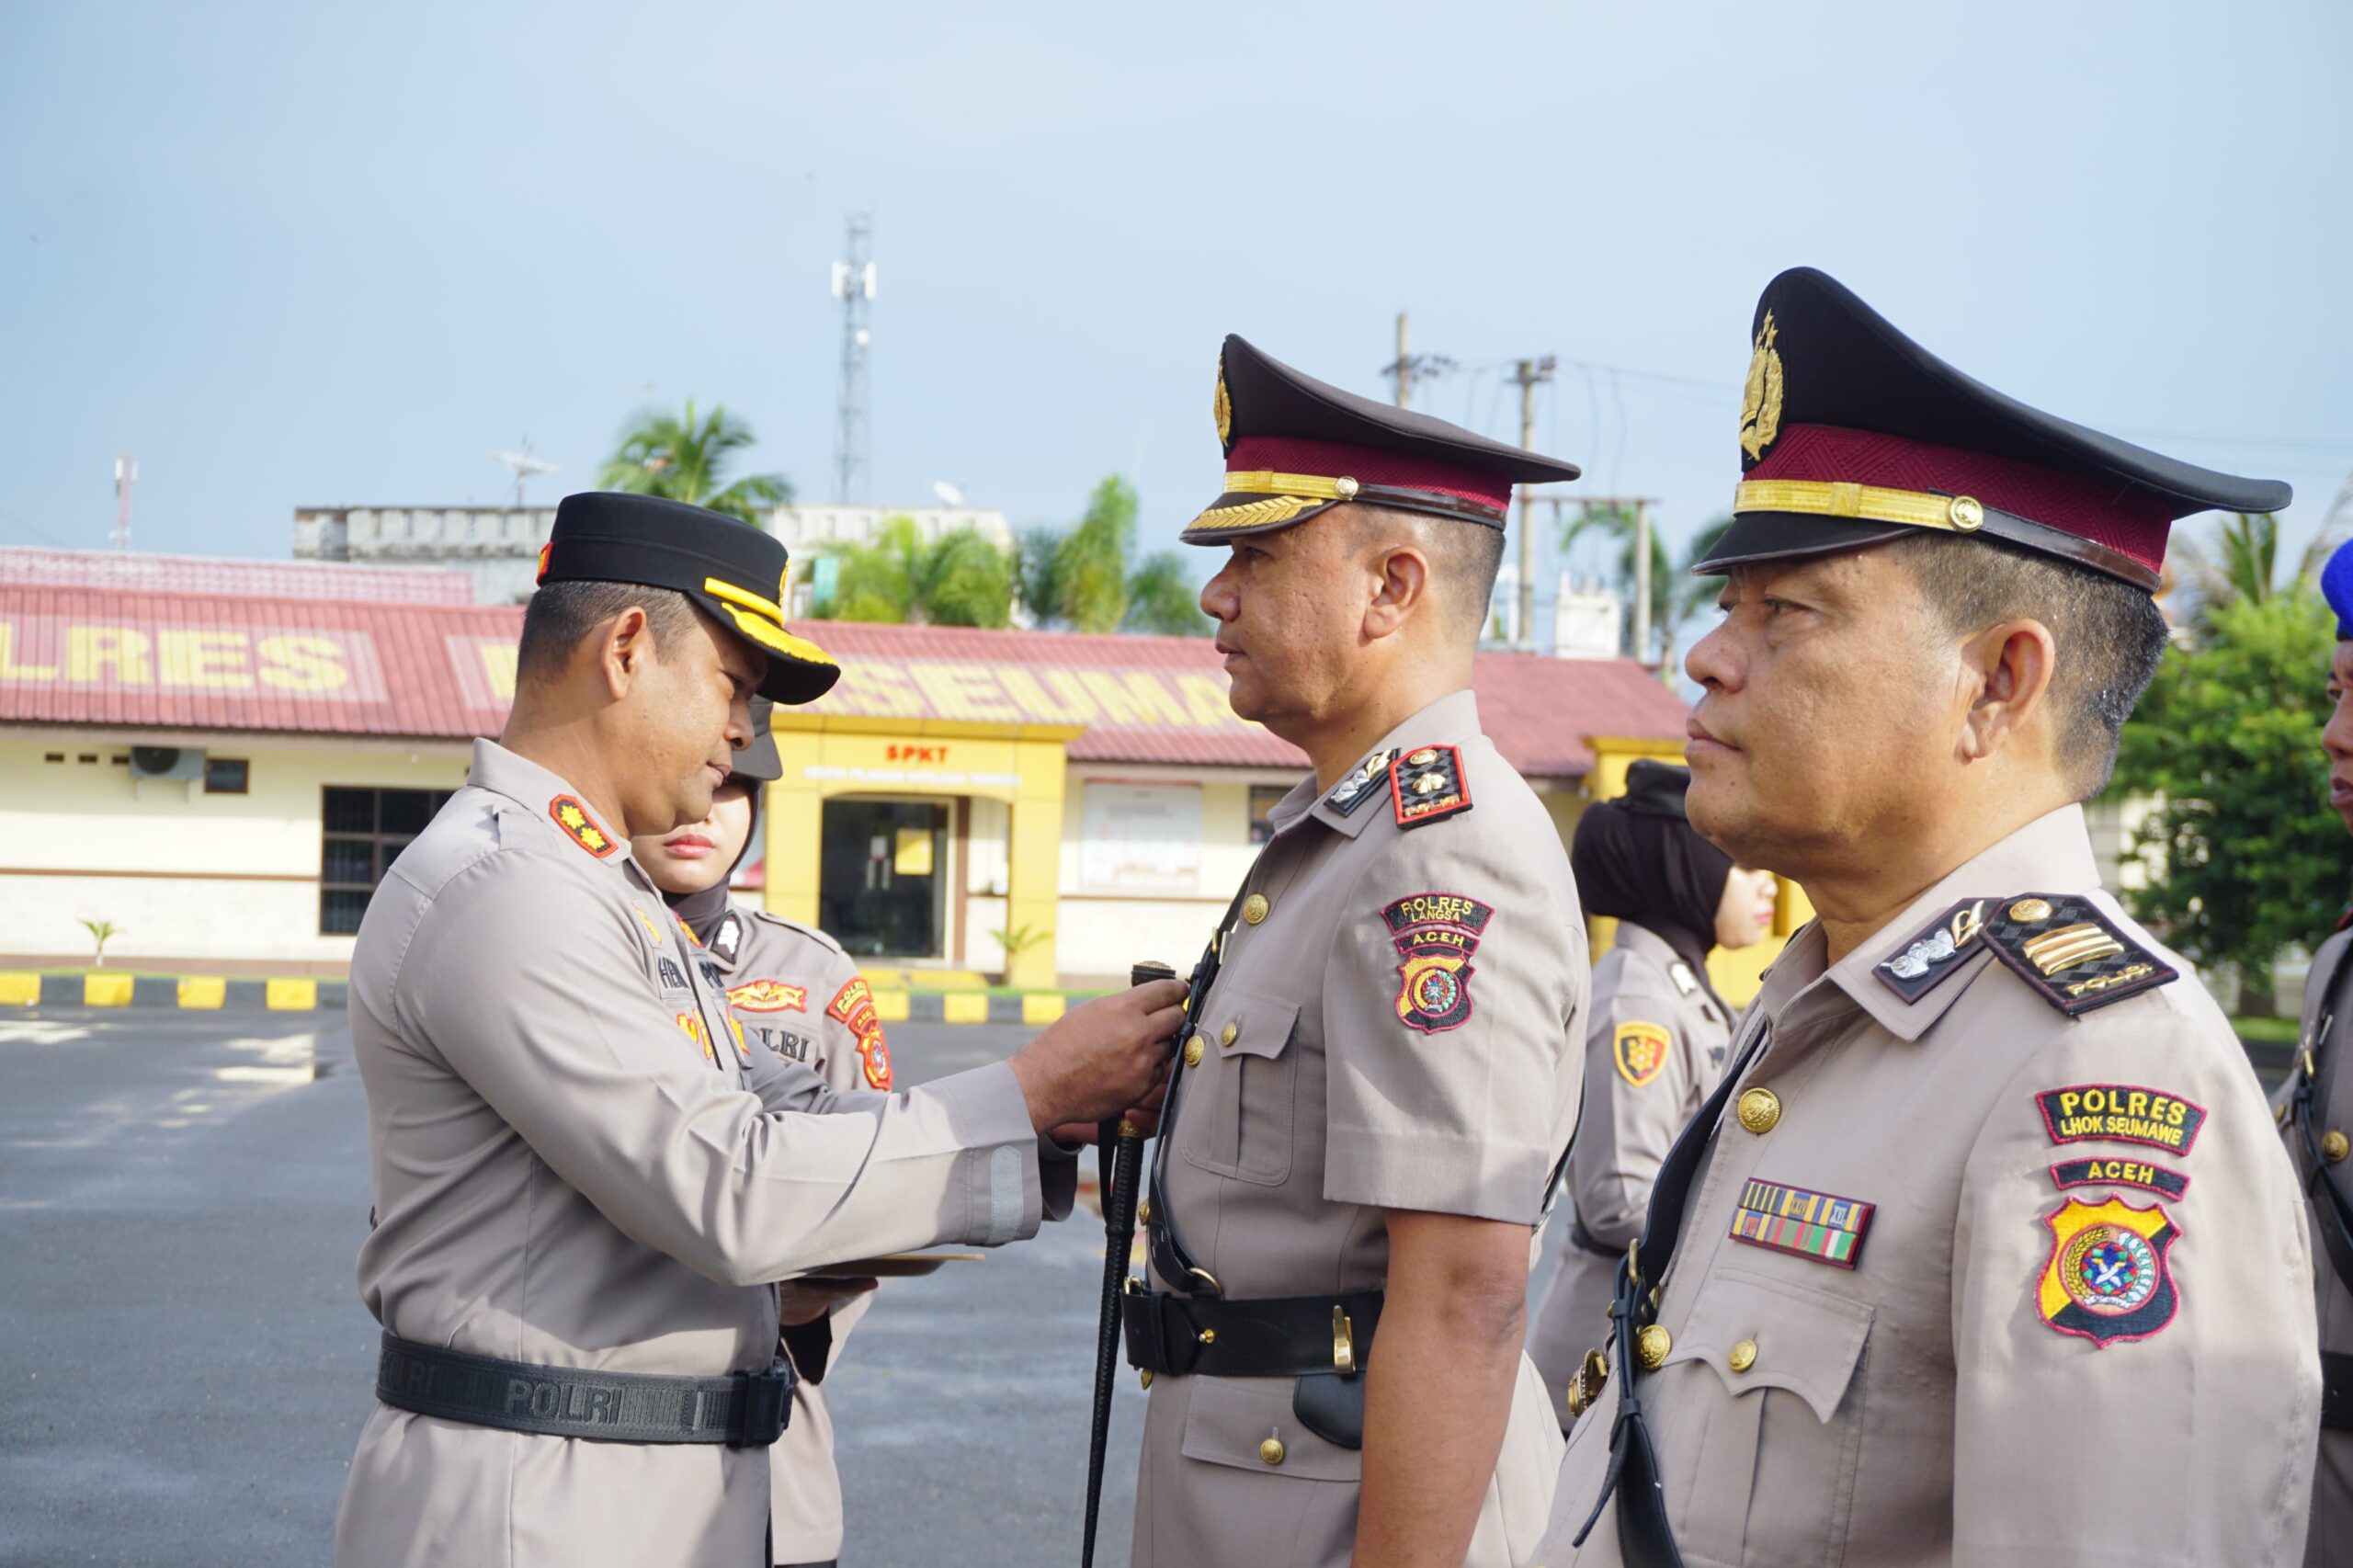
(522, 465)
(950, 495)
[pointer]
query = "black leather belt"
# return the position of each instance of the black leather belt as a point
(746, 1410)
(1276, 1336)
(2337, 1391)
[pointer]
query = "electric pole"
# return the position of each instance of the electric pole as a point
(1407, 369)
(125, 474)
(1529, 374)
(854, 287)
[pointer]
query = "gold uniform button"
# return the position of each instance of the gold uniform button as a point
(1195, 1049)
(1143, 1217)
(2026, 911)
(1651, 1347)
(1143, 1376)
(1742, 1355)
(1229, 1034)
(1272, 1451)
(1759, 1110)
(1254, 909)
(2334, 1146)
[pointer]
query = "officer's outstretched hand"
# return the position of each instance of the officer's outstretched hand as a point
(1103, 1057)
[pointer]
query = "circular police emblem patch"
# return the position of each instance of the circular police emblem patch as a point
(2108, 1270)
(1436, 991)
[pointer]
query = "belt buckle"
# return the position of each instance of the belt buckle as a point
(765, 1406)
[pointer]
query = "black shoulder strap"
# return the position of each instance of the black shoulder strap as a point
(2316, 1070)
(1168, 1249)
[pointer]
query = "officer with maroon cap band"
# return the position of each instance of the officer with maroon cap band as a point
(1985, 1251)
(1385, 1053)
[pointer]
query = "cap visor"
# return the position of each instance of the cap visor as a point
(1238, 513)
(799, 671)
(1775, 536)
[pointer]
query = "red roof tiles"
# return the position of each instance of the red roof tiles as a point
(331, 665)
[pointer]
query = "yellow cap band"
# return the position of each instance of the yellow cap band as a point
(764, 626)
(1912, 508)
(1267, 482)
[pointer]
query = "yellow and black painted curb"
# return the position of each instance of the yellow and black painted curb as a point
(191, 992)
(213, 992)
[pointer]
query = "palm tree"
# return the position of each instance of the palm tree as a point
(1676, 594)
(958, 579)
(1085, 578)
(2242, 563)
(686, 460)
(1162, 597)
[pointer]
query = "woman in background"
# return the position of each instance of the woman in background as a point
(793, 991)
(1656, 1043)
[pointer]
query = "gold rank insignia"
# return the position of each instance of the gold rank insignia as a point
(1640, 1050)
(1760, 402)
(579, 827)
(1426, 784)
(769, 996)
(2070, 951)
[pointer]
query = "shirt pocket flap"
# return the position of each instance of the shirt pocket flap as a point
(1261, 1026)
(1769, 1333)
(1230, 1420)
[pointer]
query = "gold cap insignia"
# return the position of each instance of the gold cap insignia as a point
(1760, 402)
(1223, 408)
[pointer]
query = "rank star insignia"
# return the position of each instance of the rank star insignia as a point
(2074, 956)
(2106, 1277)
(579, 827)
(1436, 933)
(1936, 954)
(1427, 784)
(1360, 785)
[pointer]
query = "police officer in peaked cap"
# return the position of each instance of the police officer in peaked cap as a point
(586, 1181)
(1985, 1251)
(1383, 1066)
(2315, 1108)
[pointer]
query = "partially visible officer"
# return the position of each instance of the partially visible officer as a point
(1984, 1252)
(1384, 1076)
(2316, 1108)
(1655, 1045)
(585, 1179)
(793, 991)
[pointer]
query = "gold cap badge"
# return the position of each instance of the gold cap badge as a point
(1760, 402)
(1223, 408)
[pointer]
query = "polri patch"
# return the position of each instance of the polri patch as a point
(2107, 1278)
(853, 1007)
(1360, 785)
(1425, 784)
(2072, 954)
(2120, 1113)
(2119, 1173)
(1804, 1224)
(579, 827)
(1436, 933)
(1639, 1050)
(1936, 954)
(769, 996)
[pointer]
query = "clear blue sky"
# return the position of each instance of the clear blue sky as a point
(311, 255)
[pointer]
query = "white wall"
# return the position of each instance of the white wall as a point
(63, 826)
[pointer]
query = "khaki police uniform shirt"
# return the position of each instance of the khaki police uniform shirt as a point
(1346, 1071)
(576, 1163)
(1947, 1400)
(2328, 1023)
(1654, 1053)
(798, 996)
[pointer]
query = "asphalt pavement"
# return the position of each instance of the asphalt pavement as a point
(185, 1361)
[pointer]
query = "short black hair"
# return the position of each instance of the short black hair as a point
(2110, 633)
(561, 614)
(1464, 557)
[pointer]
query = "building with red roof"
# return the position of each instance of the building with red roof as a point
(222, 758)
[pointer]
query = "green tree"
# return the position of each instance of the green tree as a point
(2241, 563)
(1085, 578)
(1037, 573)
(2245, 857)
(958, 579)
(1162, 597)
(687, 460)
(1676, 594)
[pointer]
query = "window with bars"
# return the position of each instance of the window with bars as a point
(365, 830)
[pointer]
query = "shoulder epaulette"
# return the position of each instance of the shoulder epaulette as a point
(2074, 956)
(1361, 785)
(1426, 783)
